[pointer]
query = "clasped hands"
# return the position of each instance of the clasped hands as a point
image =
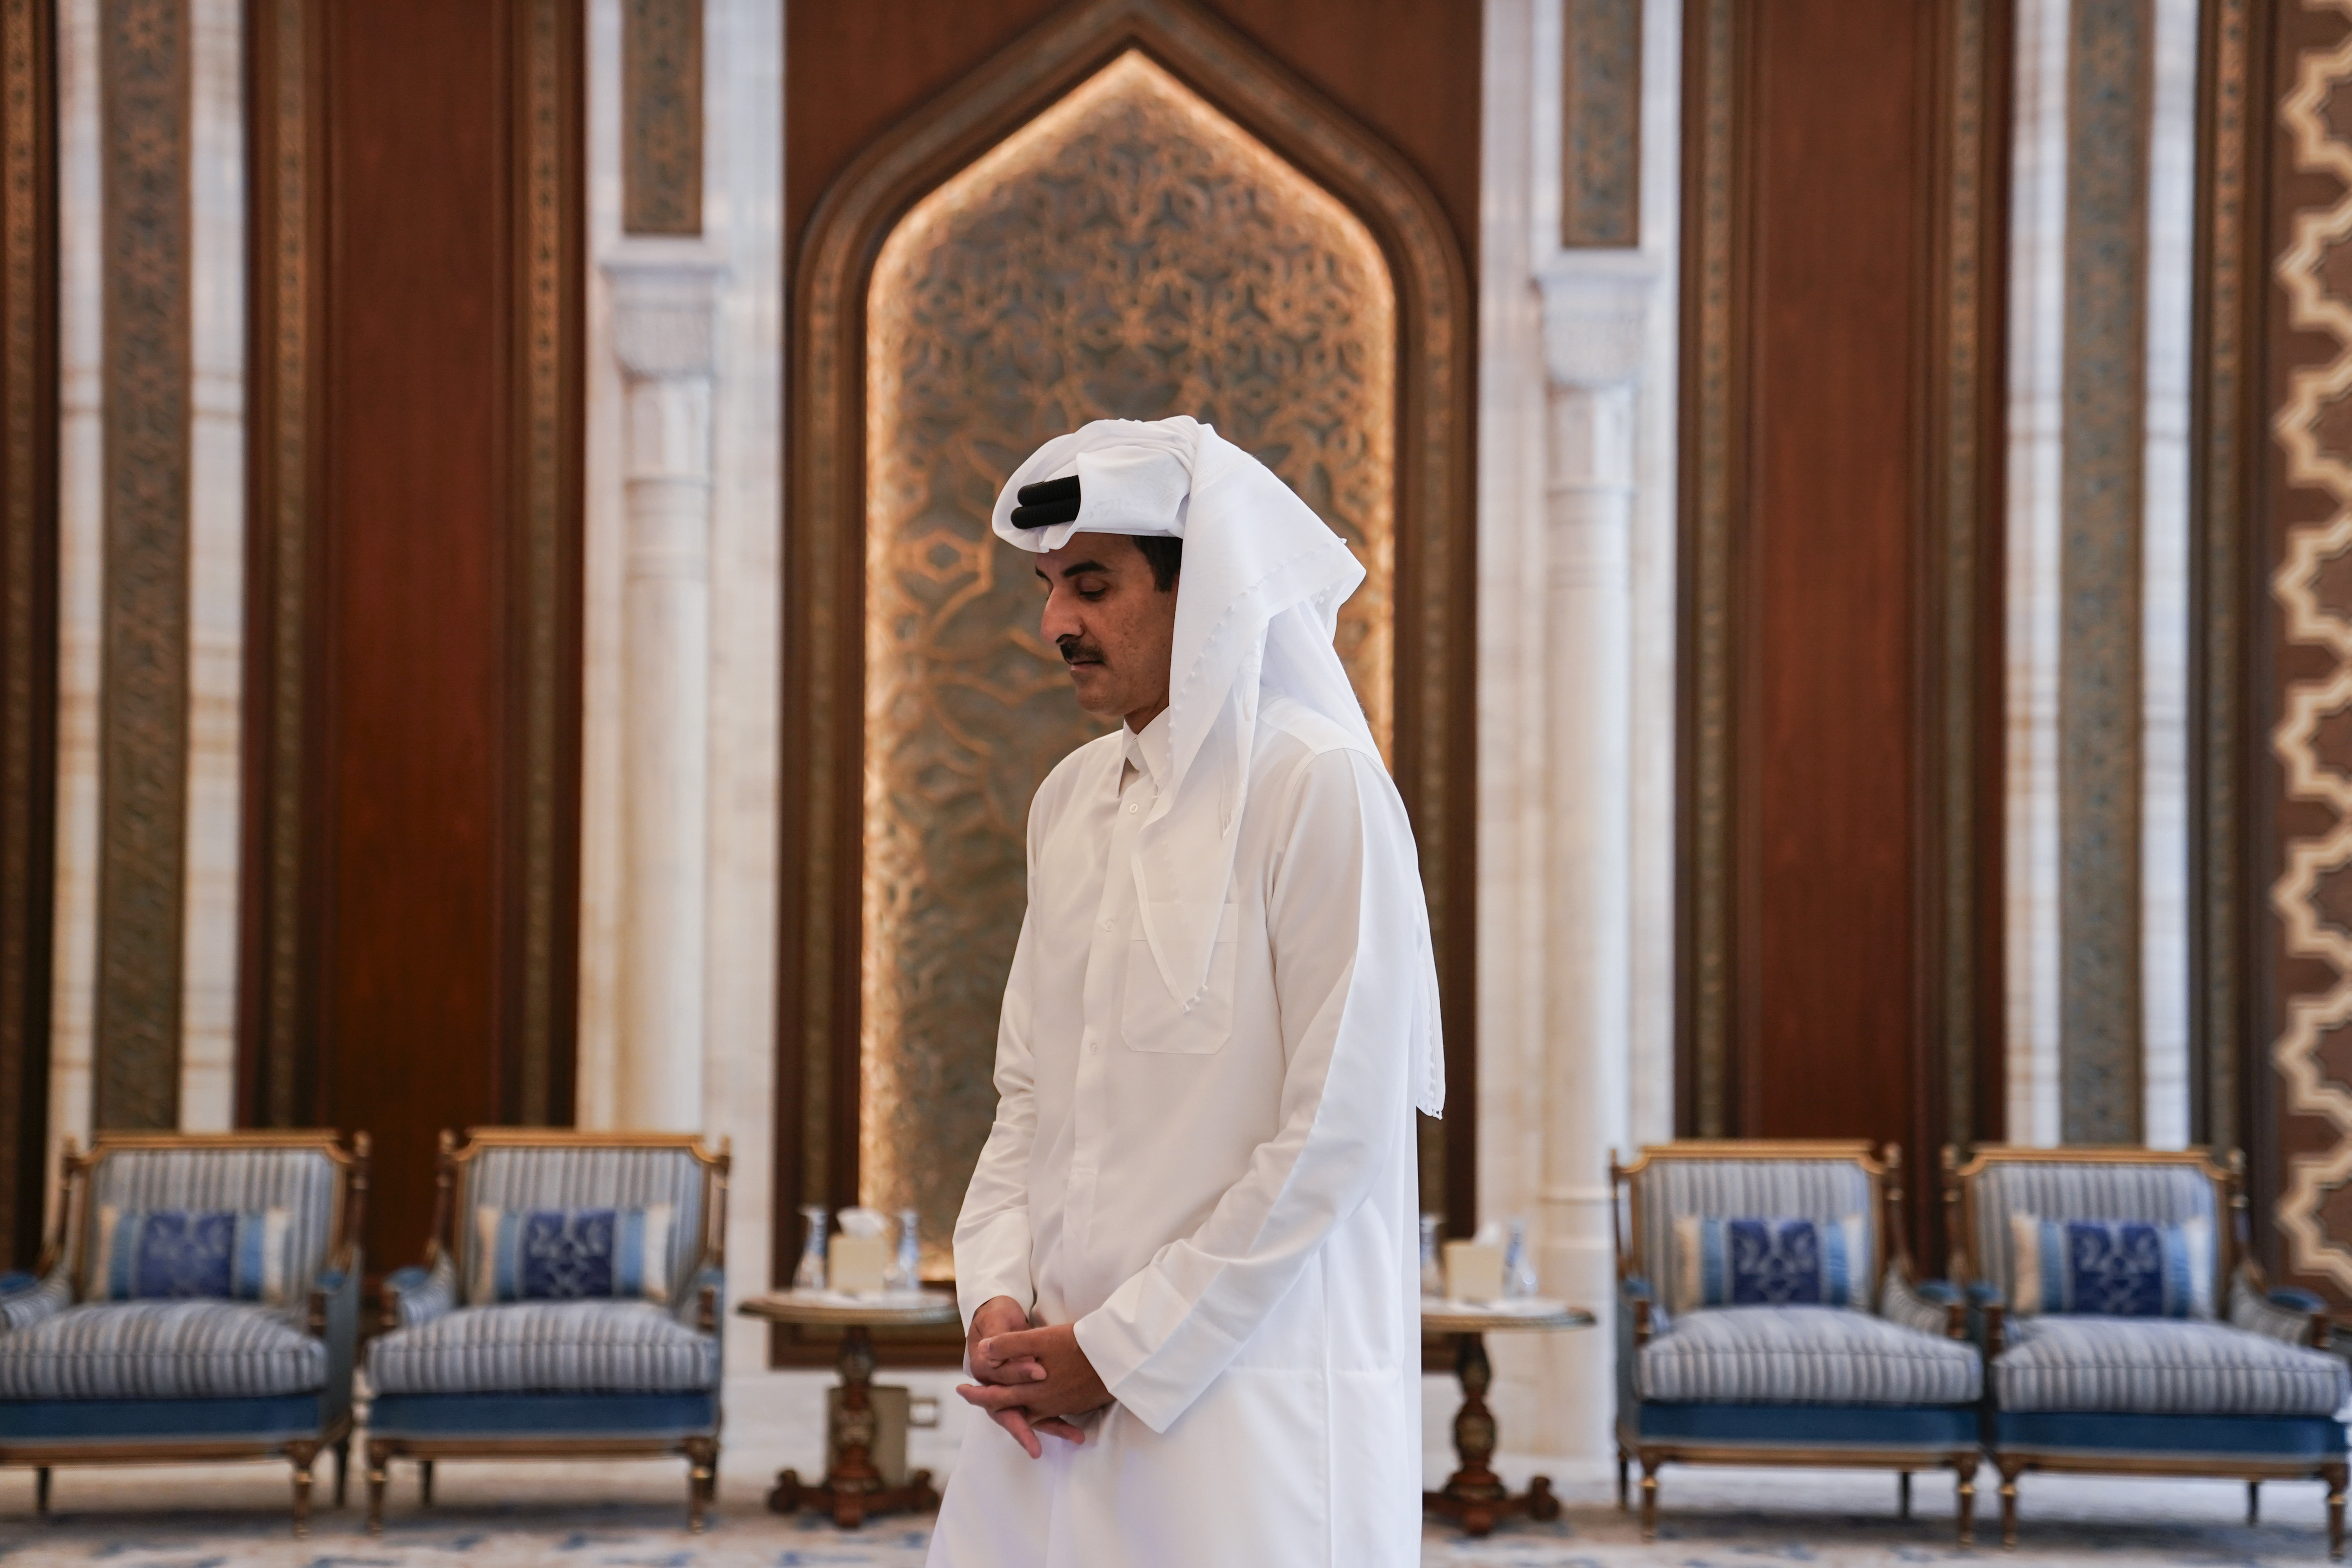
(1030, 1381)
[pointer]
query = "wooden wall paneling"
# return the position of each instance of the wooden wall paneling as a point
(1843, 182)
(1408, 70)
(2228, 437)
(432, 562)
(28, 606)
(817, 1098)
(142, 60)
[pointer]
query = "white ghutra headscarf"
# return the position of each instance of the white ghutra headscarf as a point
(1263, 581)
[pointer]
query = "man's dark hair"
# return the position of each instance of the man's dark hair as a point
(1166, 555)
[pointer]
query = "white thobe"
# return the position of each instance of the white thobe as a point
(1222, 1199)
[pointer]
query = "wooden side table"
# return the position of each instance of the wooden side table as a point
(1474, 1497)
(853, 1489)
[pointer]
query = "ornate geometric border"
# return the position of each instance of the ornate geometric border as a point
(2294, 585)
(143, 61)
(818, 972)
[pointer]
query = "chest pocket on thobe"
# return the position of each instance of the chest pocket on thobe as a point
(1155, 1020)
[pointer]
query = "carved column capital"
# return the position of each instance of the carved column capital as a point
(1596, 320)
(665, 313)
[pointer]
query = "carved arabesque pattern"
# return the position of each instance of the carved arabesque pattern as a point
(1129, 253)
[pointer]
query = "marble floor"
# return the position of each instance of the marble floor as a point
(631, 1515)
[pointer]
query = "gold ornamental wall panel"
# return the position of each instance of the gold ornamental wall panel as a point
(1131, 253)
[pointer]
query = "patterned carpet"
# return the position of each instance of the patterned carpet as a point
(631, 1515)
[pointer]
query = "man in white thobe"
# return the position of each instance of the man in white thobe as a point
(1188, 1260)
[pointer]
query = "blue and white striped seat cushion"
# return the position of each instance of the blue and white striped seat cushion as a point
(162, 1349)
(546, 1347)
(1803, 1356)
(2159, 1366)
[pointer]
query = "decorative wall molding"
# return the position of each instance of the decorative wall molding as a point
(2318, 458)
(282, 462)
(29, 627)
(661, 117)
(1601, 123)
(2110, 53)
(143, 62)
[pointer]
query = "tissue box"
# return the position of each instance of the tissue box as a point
(1473, 1271)
(854, 1264)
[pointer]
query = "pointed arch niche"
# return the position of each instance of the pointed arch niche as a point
(1130, 213)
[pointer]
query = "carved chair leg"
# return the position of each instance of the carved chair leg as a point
(1903, 1495)
(1649, 1498)
(304, 1456)
(1621, 1481)
(2253, 1502)
(701, 1480)
(342, 1471)
(1967, 1467)
(2009, 1474)
(41, 1491)
(425, 1482)
(378, 1456)
(2334, 1475)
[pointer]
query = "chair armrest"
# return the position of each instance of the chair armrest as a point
(703, 1299)
(2282, 1313)
(1930, 1306)
(415, 1296)
(31, 1301)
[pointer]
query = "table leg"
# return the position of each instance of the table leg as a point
(1474, 1495)
(853, 1490)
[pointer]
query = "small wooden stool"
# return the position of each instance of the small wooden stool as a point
(1474, 1497)
(853, 1491)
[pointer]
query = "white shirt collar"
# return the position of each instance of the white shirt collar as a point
(1148, 753)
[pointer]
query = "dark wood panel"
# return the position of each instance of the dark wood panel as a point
(1839, 714)
(1830, 977)
(28, 607)
(442, 539)
(1407, 69)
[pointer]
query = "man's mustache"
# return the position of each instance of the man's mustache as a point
(1075, 649)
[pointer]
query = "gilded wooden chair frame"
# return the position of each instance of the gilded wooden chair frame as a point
(455, 1163)
(68, 1242)
(2232, 1259)
(1892, 1256)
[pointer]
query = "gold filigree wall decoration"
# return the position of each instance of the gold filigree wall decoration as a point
(2314, 463)
(1128, 253)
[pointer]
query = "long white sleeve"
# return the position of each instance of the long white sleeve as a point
(992, 1235)
(1342, 919)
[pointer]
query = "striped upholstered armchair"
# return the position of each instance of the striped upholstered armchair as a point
(2125, 1332)
(1766, 1315)
(198, 1299)
(568, 1305)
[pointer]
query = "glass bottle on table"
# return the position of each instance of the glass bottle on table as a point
(1518, 1265)
(810, 1275)
(1432, 1269)
(907, 1270)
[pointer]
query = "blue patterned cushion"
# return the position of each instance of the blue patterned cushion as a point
(1803, 1356)
(2113, 1268)
(188, 1255)
(572, 1255)
(1769, 1262)
(548, 1347)
(162, 1349)
(2152, 1366)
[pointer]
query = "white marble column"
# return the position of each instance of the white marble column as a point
(662, 331)
(1576, 708)
(216, 283)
